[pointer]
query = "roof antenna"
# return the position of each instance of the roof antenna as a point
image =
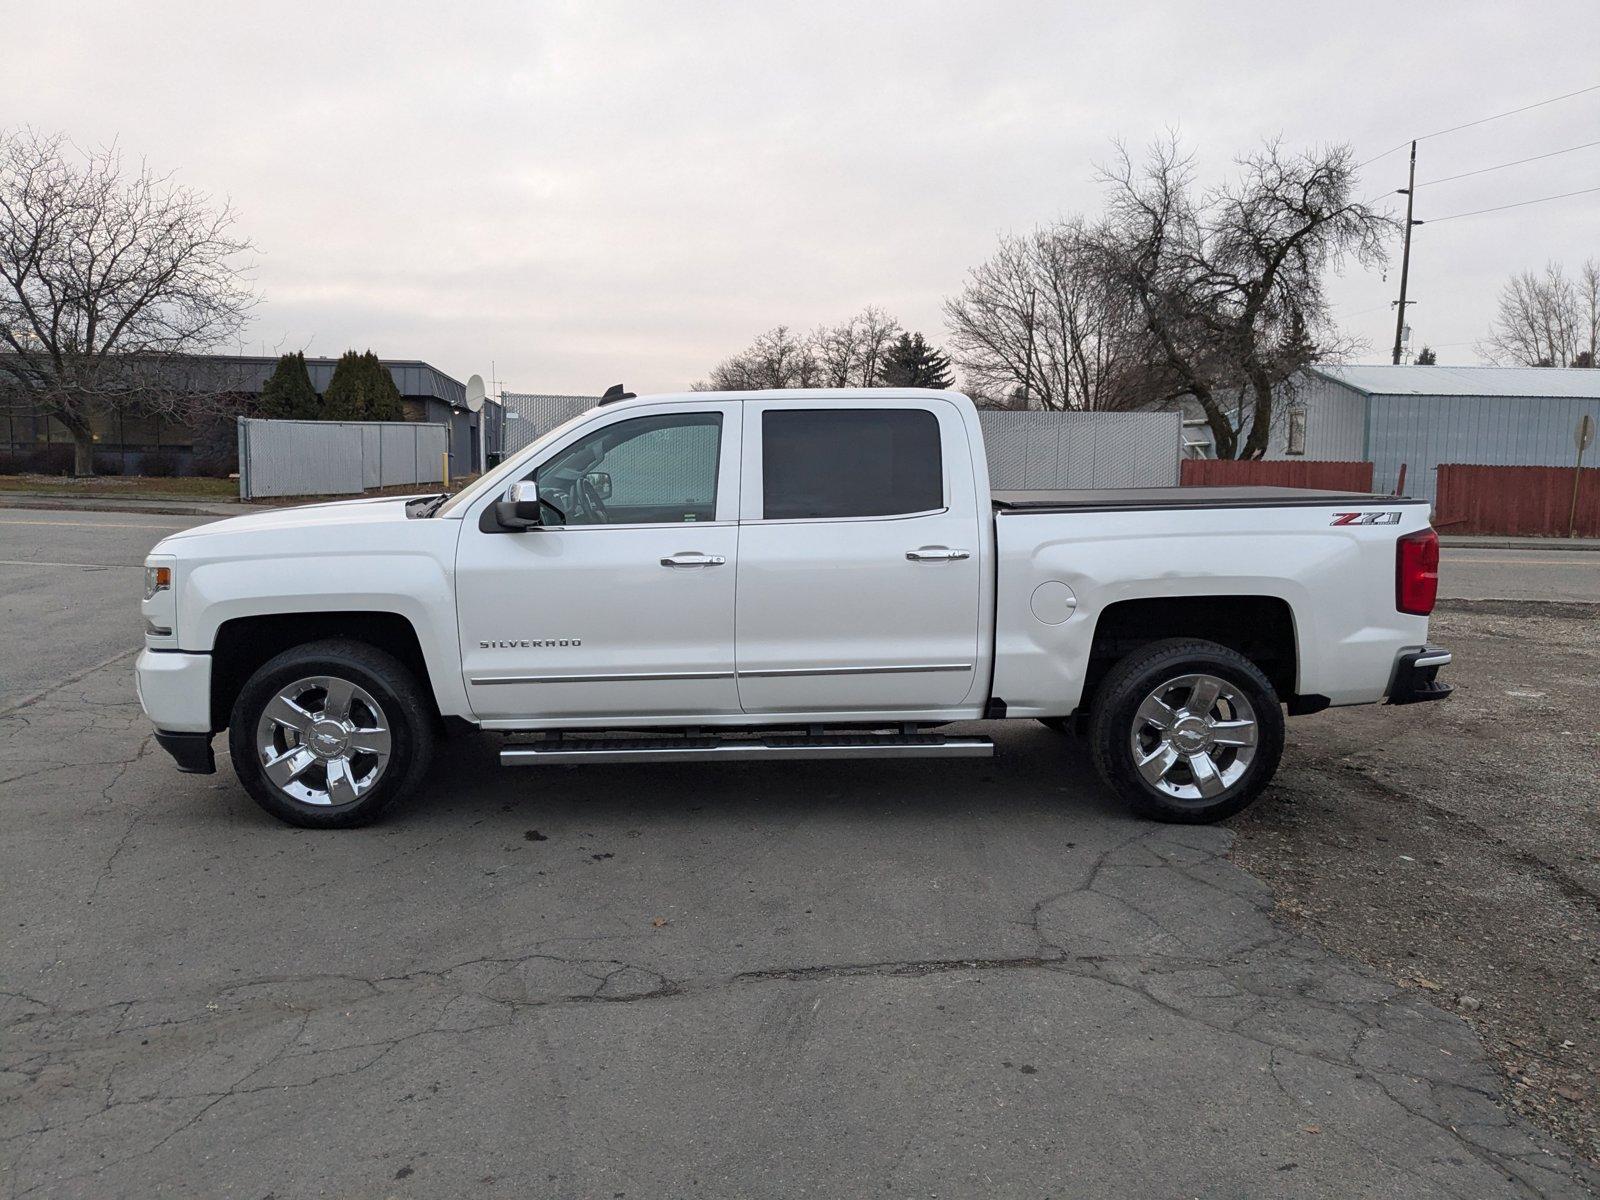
(615, 393)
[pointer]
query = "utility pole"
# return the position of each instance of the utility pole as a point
(1405, 255)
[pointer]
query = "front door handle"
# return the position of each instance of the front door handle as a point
(694, 560)
(937, 554)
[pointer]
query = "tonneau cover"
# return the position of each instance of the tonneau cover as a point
(1103, 499)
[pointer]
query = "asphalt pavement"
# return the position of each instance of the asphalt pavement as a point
(1538, 573)
(957, 979)
(69, 591)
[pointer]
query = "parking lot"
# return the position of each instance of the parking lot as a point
(817, 979)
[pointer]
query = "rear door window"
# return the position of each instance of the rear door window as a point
(873, 462)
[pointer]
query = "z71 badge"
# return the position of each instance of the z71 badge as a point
(1366, 518)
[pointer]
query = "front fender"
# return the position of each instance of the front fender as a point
(419, 587)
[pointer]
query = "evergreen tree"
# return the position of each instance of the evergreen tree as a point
(288, 394)
(1427, 358)
(911, 362)
(362, 390)
(345, 399)
(383, 401)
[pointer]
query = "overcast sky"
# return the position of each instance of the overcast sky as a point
(586, 193)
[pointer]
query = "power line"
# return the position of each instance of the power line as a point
(1519, 204)
(1502, 166)
(1595, 87)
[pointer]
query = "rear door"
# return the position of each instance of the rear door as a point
(623, 607)
(860, 566)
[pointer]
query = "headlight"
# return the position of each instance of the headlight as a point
(157, 579)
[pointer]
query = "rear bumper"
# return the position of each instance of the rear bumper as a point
(1416, 676)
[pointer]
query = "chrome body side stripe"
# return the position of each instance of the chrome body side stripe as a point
(908, 669)
(641, 677)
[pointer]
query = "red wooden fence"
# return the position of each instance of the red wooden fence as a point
(1527, 501)
(1330, 476)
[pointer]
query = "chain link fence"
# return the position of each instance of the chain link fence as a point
(325, 458)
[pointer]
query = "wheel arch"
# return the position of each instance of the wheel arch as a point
(244, 644)
(1260, 627)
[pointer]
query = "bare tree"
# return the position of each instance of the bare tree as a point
(1042, 320)
(1230, 280)
(106, 279)
(1545, 319)
(850, 354)
(776, 359)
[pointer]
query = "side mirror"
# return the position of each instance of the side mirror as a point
(523, 508)
(600, 481)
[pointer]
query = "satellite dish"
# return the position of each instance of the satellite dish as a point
(475, 394)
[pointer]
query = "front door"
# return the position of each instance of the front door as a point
(623, 606)
(860, 572)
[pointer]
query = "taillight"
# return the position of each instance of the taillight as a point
(1416, 572)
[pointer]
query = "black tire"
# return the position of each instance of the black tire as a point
(405, 713)
(1114, 726)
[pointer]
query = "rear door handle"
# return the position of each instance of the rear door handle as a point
(694, 560)
(937, 554)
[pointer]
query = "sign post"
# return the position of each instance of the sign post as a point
(1583, 436)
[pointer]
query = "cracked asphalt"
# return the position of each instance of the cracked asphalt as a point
(974, 979)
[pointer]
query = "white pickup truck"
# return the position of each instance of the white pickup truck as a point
(779, 575)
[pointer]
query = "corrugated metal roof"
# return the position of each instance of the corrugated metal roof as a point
(1386, 380)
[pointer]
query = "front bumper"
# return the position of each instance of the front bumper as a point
(175, 689)
(191, 751)
(1416, 676)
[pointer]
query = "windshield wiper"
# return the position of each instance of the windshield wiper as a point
(426, 508)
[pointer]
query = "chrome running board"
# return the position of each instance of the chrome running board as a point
(770, 748)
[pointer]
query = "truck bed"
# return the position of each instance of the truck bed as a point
(1148, 499)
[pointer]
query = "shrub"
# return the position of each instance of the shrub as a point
(159, 464)
(108, 464)
(13, 462)
(54, 459)
(216, 444)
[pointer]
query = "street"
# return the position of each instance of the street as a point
(69, 591)
(786, 979)
(1469, 573)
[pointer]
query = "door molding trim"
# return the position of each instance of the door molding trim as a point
(894, 669)
(490, 680)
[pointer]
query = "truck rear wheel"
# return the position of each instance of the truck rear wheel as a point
(1186, 731)
(329, 734)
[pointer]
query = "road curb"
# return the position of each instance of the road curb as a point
(1578, 546)
(174, 508)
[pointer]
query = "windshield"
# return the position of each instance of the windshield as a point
(506, 473)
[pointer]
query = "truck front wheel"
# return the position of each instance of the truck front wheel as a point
(1186, 731)
(328, 734)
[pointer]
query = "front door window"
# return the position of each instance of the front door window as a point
(645, 471)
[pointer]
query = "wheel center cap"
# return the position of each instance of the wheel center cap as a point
(1190, 734)
(328, 739)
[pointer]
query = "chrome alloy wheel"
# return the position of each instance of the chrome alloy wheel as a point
(323, 741)
(1194, 736)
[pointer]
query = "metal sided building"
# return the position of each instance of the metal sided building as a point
(1425, 416)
